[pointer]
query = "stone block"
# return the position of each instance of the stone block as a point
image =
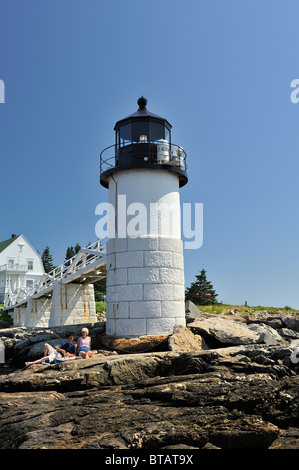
(120, 244)
(158, 258)
(145, 309)
(128, 292)
(110, 246)
(159, 326)
(117, 310)
(158, 292)
(171, 276)
(110, 293)
(130, 327)
(170, 244)
(143, 243)
(109, 309)
(172, 309)
(110, 327)
(178, 292)
(144, 275)
(111, 261)
(178, 260)
(110, 279)
(180, 321)
(121, 276)
(129, 259)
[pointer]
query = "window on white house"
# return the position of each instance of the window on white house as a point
(29, 283)
(11, 262)
(30, 265)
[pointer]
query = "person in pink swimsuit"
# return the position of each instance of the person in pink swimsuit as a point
(84, 344)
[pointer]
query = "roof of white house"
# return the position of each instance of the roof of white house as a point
(6, 243)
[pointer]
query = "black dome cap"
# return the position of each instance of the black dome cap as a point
(142, 102)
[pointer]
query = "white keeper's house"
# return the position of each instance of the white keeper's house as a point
(20, 265)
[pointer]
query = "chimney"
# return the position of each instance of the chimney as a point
(14, 235)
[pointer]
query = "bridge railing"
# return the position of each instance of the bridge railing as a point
(19, 295)
(79, 262)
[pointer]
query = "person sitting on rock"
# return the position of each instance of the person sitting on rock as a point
(84, 344)
(66, 349)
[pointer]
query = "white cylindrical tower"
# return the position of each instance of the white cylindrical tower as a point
(145, 265)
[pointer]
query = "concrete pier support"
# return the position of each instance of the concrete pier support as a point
(38, 312)
(19, 315)
(72, 304)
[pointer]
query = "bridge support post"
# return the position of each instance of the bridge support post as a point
(38, 312)
(72, 304)
(19, 315)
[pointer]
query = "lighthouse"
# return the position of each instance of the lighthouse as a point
(143, 172)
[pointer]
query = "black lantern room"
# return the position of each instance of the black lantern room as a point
(143, 140)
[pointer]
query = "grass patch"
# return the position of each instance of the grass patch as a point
(100, 307)
(223, 308)
(243, 309)
(217, 308)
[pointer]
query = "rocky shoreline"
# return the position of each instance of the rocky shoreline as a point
(223, 382)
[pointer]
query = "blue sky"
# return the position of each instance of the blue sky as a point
(218, 70)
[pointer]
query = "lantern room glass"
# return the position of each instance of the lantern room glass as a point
(124, 135)
(159, 132)
(141, 132)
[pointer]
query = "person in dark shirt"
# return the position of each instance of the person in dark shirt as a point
(66, 349)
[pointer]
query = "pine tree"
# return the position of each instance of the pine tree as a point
(77, 248)
(47, 260)
(70, 252)
(100, 287)
(201, 292)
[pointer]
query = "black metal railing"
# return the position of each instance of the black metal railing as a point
(142, 155)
